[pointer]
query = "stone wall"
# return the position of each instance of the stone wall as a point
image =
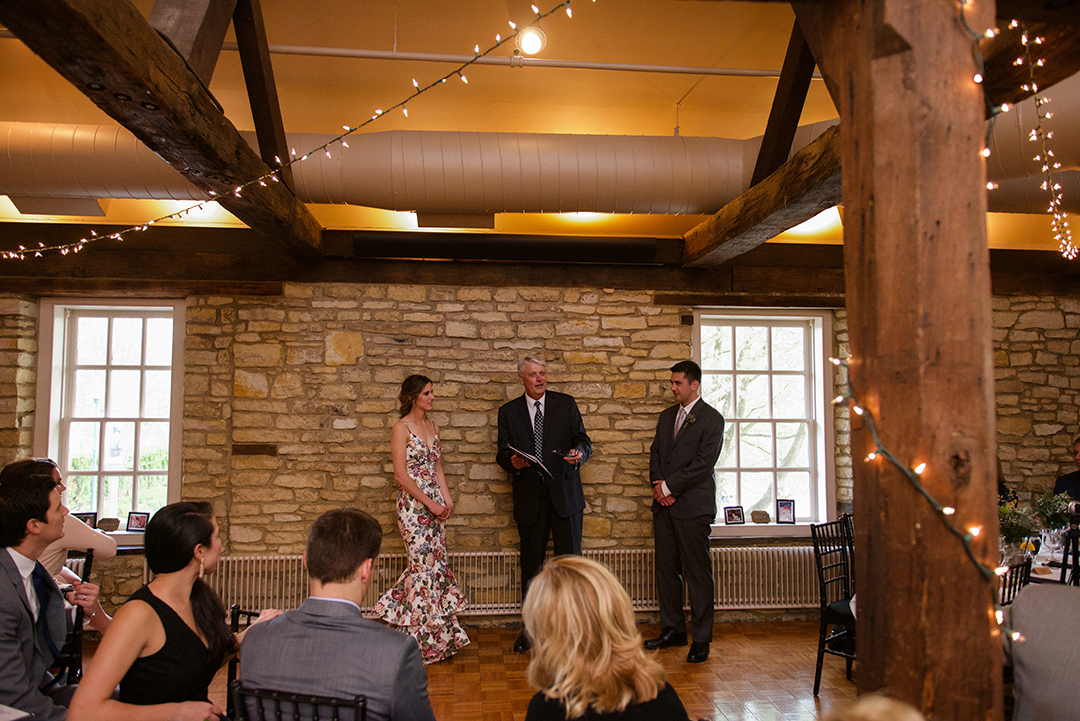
(18, 375)
(308, 382)
(1037, 359)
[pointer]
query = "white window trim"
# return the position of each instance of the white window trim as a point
(824, 391)
(50, 384)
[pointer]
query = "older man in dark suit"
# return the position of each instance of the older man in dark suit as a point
(687, 443)
(547, 425)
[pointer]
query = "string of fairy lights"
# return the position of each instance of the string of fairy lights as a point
(272, 175)
(944, 513)
(1059, 218)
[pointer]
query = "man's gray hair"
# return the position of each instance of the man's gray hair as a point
(530, 359)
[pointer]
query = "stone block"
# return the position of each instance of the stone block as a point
(344, 348)
(258, 354)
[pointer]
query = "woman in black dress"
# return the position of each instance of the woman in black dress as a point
(588, 660)
(170, 638)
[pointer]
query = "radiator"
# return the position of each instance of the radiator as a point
(763, 577)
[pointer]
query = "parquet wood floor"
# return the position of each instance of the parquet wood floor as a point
(755, 672)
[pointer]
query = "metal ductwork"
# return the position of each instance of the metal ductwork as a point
(444, 174)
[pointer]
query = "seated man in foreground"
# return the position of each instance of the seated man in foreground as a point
(325, 647)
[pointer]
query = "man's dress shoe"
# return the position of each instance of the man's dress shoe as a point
(667, 637)
(522, 644)
(699, 652)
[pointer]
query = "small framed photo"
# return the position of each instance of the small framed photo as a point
(733, 515)
(137, 521)
(89, 518)
(785, 510)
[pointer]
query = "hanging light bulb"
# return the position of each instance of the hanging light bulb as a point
(531, 40)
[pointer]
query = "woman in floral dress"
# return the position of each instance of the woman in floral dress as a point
(426, 599)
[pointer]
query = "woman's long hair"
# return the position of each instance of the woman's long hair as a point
(411, 388)
(587, 651)
(171, 538)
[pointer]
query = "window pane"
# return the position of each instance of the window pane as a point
(89, 394)
(755, 445)
(127, 341)
(727, 452)
(153, 492)
(788, 351)
(158, 394)
(83, 446)
(727, 490)
(159, 338)
(752, 396)
(117, 501)
(81, 493)
(795, 485)
(154, 446)
(791, 445)
(789, 397)
(757, 493)
(716, 347)
(119, 447)
(124, 394)
(751, 348)
(92, 334)
(717, 392)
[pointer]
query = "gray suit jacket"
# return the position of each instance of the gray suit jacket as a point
(686, 461)
(24, 654)
(326, 648)
(1045, 662)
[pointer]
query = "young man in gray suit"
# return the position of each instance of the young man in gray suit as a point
(688, 439)
(33, 618)
(325, 647)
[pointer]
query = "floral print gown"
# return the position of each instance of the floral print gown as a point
(426, 599)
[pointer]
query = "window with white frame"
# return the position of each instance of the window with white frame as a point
(111, 381)
(766, 372)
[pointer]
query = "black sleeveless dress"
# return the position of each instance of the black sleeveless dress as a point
(181, 671)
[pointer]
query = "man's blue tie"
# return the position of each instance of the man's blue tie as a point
(41, 589)
(538, 431)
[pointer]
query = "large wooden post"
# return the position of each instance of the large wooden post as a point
(918, 300)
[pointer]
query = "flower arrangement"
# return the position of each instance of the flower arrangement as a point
(1053, 510)
(1016, 523)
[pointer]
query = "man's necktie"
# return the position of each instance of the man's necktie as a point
(41, 589)
(538, 431)
(680, 420)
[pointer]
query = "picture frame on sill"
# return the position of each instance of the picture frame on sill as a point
(785, 510)
(733, 515)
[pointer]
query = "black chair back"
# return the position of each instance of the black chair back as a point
(260, 705)
(1018, 576)
(833, 560)
(235, 615)
(71, 651)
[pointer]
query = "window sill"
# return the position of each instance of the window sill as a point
(761, 530)
(127, 539)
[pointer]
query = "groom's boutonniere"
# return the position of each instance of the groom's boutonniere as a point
(689, 420)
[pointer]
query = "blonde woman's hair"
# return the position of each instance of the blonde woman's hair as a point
(874, 707)
(587, 652)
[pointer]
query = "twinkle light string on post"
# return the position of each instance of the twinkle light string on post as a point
(272, 177)
(944, 513)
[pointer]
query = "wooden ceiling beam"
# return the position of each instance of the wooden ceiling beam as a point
(801, 188)
(113, 55)
(262, 90)
(196, 29)
(1004, 81)
(787, 107)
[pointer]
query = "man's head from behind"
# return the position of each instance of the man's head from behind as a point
(26, 494)
(339, 543)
